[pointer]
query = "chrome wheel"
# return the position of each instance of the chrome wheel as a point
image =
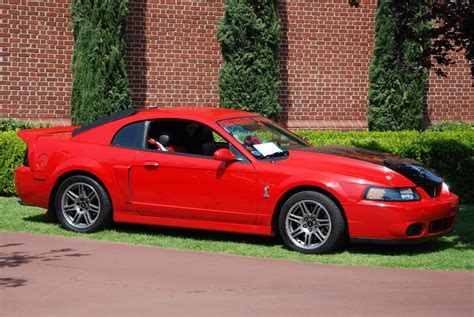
(308, 224)
(80, 205)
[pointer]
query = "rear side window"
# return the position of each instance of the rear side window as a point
(131, 136)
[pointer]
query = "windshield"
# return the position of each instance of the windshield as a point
(262, 137)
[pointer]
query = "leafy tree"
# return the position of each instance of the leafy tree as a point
(452, 28)
(398, 80)
(249, 34)
(100, 84)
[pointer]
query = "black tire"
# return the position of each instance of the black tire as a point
(328, 228)
(89, 219)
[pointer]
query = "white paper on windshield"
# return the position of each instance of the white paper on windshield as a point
(267, 148)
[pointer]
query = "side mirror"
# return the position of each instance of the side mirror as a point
(224, 155)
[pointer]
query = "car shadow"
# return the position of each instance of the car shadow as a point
(196, 234)
(186, 233)
(461, 238)
(431, 246)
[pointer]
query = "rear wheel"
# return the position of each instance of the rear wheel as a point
(82, 205)
(310, 222)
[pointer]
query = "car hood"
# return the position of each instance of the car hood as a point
(413, 170)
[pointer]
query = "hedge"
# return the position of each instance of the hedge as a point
(12, 150)
(452, 126)
(450, 153)
(8, 124)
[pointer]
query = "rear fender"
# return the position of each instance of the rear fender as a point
(30, 137)
(81, 165)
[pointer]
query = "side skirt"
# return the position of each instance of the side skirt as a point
(194, 224)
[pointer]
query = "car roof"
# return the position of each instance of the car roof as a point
(203, 113)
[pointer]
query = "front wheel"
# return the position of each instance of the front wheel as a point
(310, 222)
(82, 205)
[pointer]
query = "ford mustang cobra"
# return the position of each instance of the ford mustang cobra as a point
(229, 170)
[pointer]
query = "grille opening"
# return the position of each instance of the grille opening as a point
(414, 229)
(439, 225)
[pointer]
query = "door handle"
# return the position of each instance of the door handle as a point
(151, 164)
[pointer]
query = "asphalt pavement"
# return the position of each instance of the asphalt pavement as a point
(56, 276)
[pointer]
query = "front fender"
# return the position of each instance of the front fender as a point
(329, 185)
(279, 188)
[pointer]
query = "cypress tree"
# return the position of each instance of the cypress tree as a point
(398, 74)
(100, 84)
(249, 34)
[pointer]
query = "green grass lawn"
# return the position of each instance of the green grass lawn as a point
(453, 252)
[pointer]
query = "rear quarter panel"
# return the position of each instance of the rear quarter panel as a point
(52, 158)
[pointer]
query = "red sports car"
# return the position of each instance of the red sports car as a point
(228, 170)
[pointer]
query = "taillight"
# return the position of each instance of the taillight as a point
(26, 162)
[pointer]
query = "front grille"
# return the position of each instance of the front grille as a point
(433, 190)
(441, 224)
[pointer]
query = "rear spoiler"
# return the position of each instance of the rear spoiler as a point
(29, 134)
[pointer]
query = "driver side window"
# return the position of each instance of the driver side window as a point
(181, 136)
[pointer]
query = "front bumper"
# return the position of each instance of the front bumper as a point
(410, 241)
(402, 222)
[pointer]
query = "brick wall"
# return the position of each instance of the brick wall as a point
(173, 55)
(451, 97)
(325, 55)
(35, 57)
(173, 59)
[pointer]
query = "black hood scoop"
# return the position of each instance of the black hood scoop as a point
(421, 176)
(413, 170)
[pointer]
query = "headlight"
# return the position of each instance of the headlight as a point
(391, 194)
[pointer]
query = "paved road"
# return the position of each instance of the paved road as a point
(47, 275)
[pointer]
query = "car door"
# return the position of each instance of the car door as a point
(195, 187)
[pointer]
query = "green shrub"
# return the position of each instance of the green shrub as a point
(9, 124)
(398, 77)
(249, 35)
(452, 126)
(100, 83)
(12, 150)
(450, 154)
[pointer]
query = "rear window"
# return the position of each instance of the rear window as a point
(131, 136)
(98, 123)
